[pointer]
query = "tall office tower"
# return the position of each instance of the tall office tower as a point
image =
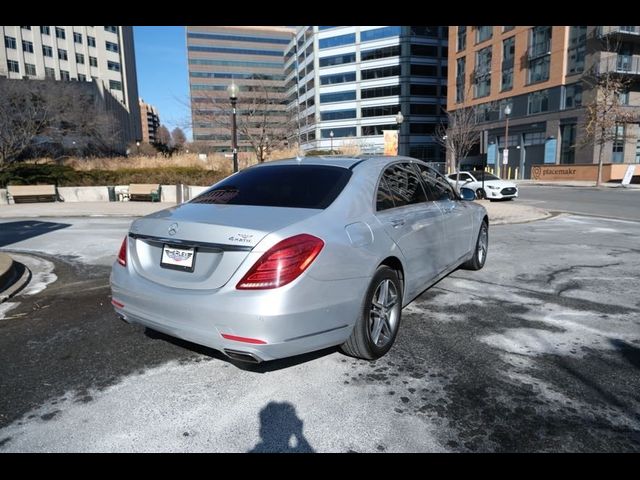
(540, 78)
(347, 84)
(250, 57)
(150, 122)
(103, 55)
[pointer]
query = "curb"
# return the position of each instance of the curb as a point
(13, 277)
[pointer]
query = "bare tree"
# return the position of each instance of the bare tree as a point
(604, 112)
(43, 116)
(163, 137)
(459, 135)
(261, 119)
(178, 138)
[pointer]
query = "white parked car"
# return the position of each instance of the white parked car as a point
(493, 188)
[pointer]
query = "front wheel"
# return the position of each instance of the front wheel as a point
(480, 253)
(375, 330)
(480, 194)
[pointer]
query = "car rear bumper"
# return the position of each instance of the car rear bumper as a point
(304, 316)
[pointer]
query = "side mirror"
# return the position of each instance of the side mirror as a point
(467, 194)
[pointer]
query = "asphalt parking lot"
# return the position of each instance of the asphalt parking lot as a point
(539, 351)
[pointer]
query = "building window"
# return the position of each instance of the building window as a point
(47, 51)
(337, 96)
(64, 75)
(45, 30)
(30, 69)
(115, 66)
(338, 78)
(82, 78)
(623, 97)
(380, 111)
(80, 58)
(60, 33)
(638, 149)
(568, 143)
(428, 31)
(91, 41)
(93, 61)
(538, 102)
(337, 60)
(376, 53)
(338, 114)
(111, 47)
(62, 54)
(13, 66)
(618, 145)
(378, 33)
(111, 29)
(425, 71)
(348, 39)
(573, 95)
(26, 28)
(422, 128)
(484, 33)
(423, 109)
(77, 37)
(339, 132)
(376, 92)
(507, 29)
(27, 46)
(424, 90)
(539, 54)
(482, 73)
(380, 72)
(10, 42)
(115, 85)
(577, 49)
(369, 130)
(533, 138)
(508, 55)
(462, 38)
(49, 73)
(460, 81)
(423, 50)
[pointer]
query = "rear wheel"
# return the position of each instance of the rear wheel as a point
(375, 331)
(480, 194)
(480, 253)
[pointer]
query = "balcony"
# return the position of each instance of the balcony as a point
(623, 64)
(623, 33)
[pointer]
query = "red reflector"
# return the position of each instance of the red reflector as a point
(117, 303)
(122, 255)
(282, 263)
(243, 339)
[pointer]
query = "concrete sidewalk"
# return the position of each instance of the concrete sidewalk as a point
(499, 212)
(573, 183)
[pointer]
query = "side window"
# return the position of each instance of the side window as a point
(439, 188)
(404, 185)
(383, 197)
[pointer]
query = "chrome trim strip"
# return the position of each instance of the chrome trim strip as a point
(192, 243)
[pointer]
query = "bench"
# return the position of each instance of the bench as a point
(31, 193)
(144, 192)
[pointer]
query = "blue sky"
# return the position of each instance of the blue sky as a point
(161, 64)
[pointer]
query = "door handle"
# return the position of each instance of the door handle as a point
(397, 222)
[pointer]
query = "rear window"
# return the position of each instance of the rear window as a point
(293, 186)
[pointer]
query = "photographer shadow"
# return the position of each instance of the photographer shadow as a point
(281, 430)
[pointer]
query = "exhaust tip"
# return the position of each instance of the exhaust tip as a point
(242, 356)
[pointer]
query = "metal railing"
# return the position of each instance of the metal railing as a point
(626, 64)
(607, 30)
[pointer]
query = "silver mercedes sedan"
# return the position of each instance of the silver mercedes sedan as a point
(297, 255)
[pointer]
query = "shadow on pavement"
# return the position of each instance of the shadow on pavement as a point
(281, 430)
(628, 351)
(13, 232)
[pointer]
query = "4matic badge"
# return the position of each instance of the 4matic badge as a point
(241, 237)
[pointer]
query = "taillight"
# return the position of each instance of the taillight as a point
(122, 256)
(282, 263)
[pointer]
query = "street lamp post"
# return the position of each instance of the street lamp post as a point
(331, 136)
(505, 150)
(399, 120)
(233, 96)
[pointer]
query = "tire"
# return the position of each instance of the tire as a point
(371, 325)
(480, 194)
(480, 252)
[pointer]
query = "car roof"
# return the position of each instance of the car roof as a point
(336, 160)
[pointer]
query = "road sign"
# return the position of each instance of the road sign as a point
(626, 180)
(505, 156)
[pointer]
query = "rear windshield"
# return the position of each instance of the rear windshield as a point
(293, 186)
